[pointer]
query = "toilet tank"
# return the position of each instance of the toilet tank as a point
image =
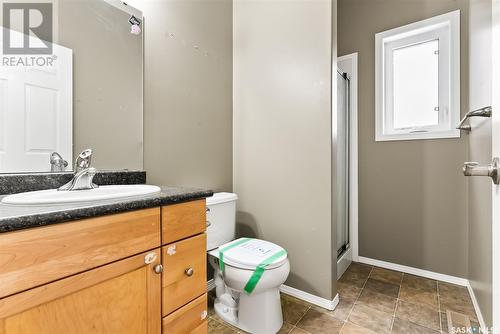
(221, 219)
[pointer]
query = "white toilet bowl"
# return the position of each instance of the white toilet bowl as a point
(259, 311)
(257, 308)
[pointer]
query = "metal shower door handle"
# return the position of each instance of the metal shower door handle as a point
(475, 169)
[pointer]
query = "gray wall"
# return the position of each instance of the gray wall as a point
(107, 82)
(412, 195)
(188, 93)
(479, 200)
(282, 133)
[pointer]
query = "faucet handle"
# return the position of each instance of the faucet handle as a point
(57, 163)
(84, 160)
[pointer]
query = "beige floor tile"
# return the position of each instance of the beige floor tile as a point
(419, 296)
(448, 289)
(350, 328)
(217, 327)
(385, 275)
(419, 314)
(297, 330)
(342, 310)
(456, 298)
(360, 268)
(294, 299)
(286, 328)
(348, 291)
(319, 323)
(377, 301)
(459, 306)
(420, 283)
(293, 310)
(372, 319)
(385, 288)
(401, 326)
(353, 278)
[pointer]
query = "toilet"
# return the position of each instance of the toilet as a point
(247, 297)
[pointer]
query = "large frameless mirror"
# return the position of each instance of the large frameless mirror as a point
(71, 77)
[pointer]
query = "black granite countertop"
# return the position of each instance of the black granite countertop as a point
(14, 217)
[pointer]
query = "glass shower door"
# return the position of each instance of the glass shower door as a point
(342, 164)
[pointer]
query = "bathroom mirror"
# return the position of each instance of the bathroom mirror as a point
(71, 78)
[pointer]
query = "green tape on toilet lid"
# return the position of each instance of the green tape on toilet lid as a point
(259, 271)
(225, 248)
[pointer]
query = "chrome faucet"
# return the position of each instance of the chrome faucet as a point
(57, 163)
(84, 174)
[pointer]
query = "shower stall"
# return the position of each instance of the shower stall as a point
(342, 170)
(344, 162)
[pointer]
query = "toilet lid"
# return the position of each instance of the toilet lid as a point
(249, 254)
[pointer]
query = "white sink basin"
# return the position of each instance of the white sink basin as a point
(53, 196)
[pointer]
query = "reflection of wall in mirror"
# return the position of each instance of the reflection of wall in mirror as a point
(107, 82)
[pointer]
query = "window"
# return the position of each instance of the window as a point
(417, 82)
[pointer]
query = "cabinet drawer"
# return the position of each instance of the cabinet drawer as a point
(191, 318)
(40, 255)
(183, 220)
(180, 285)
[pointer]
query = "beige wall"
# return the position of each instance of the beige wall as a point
(412, 195)
(282, 133)
(479, 200)
(188, 93)
(107, 82)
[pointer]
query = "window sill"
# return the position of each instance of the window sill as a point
(455, 133)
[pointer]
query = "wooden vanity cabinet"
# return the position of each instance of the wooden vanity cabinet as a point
(110, 274)
(121, 297)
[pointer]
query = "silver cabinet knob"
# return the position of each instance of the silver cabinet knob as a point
(158, 269)
(189, 272)
(475, 169)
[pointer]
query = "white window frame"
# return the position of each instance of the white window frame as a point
(446, 29)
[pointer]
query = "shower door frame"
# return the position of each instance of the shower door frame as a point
(352, 254)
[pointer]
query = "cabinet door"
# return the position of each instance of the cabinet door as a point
(121, 297)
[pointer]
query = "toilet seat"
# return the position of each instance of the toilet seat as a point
(250, 253)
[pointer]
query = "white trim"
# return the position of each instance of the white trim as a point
(125, 7)
(310, 298)
(476, 306)
(446, 127)
(353, 152)
(415, 271)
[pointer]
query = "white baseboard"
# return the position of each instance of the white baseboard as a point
(476, 306)
(415, 271)
(310, 298)
(432, 275)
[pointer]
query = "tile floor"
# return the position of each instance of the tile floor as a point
(374, 300)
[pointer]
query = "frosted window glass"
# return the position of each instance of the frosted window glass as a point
(416, 74)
